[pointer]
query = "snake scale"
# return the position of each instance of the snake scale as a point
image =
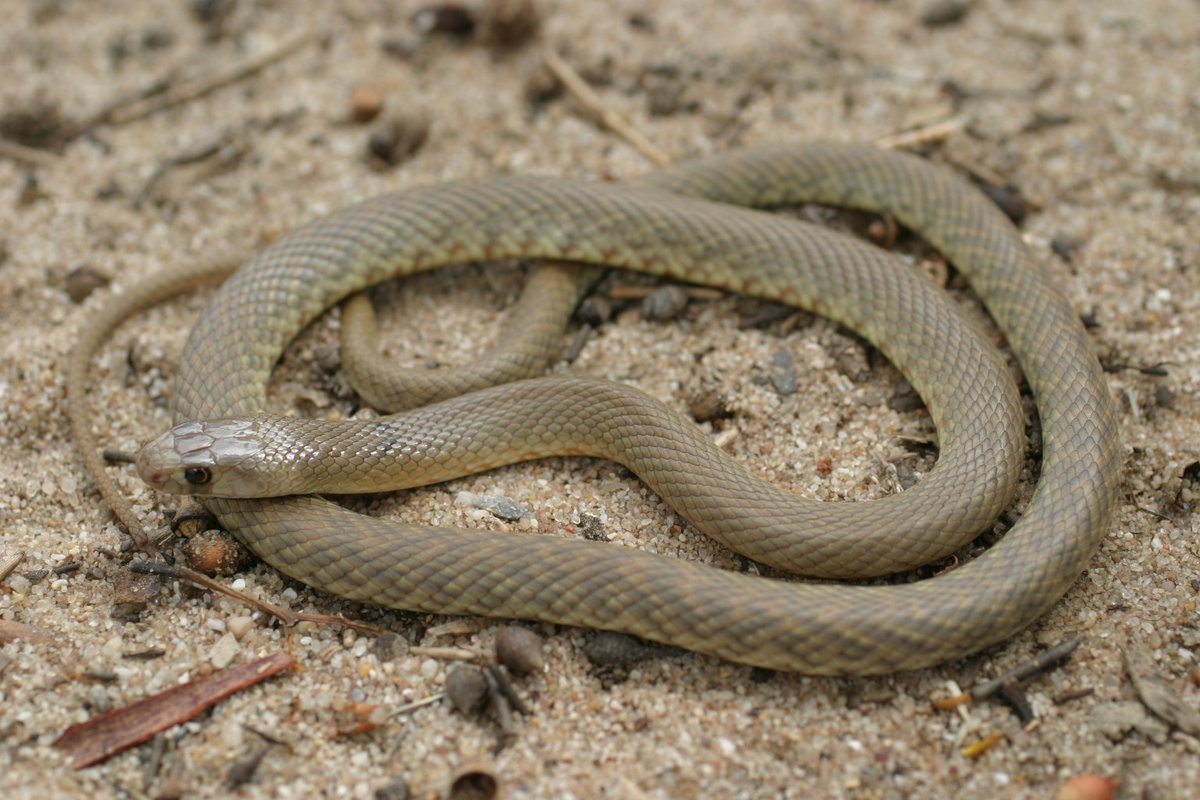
(682, 222)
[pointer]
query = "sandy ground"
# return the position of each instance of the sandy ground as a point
(1090, 108)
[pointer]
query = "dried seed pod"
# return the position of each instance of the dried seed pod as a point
(519, 649)
(474, 781)
(509, 23)
(215, 553)
(466, 687)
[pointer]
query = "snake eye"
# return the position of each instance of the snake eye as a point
(197, 476)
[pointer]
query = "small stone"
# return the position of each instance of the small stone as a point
(83, 280)
(905, 399)
(499, 506)
(708, 406)
(400, 45)
(1117, 720)
(1066, 246)
(390, 646)
(1009, 199)
(208, 11)
(944, 12)
(449, 19)
(595, 310)
(664, 303)
(395, 789)
(509, 23)
(98, 700)
(783, 373)
(542, 86)
(240, 626)
(591, 527)
(519, 649)
(608, 649)
(365, 104)
(224, 651)
(18, 583)
(131, 593)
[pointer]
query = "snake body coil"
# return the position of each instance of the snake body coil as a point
(673, 223)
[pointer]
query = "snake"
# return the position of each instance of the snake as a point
(685, 222)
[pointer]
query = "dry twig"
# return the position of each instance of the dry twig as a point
(587, 97)
(32, 156)
(108, 734)
(206, 85)
(284, 615)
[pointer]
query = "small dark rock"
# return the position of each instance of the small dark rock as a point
(1066, 246)
(1009, 200)
(905, 399)
(395, 789)
(398, 138)
(209, 11)
(33, 124)
(390, 646)
(611, 649)
(446, 19)
(783, 373)
(131, 593)
(595, 310)
(944, 12)
(664, 303)
(592, 528)
(509, 23)
(83, 280)
(541, 87)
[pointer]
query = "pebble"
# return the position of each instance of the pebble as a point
(499, 506)
(944, 12)
(509, 23)
(223, 652)
(365, 104)
(783, 373)
(664, 303)
(83, 280)
(240, 626)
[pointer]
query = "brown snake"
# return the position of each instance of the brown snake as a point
(814, 628)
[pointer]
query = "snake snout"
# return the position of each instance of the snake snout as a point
(158, 464)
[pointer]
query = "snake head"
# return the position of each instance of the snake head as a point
(212, 457)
